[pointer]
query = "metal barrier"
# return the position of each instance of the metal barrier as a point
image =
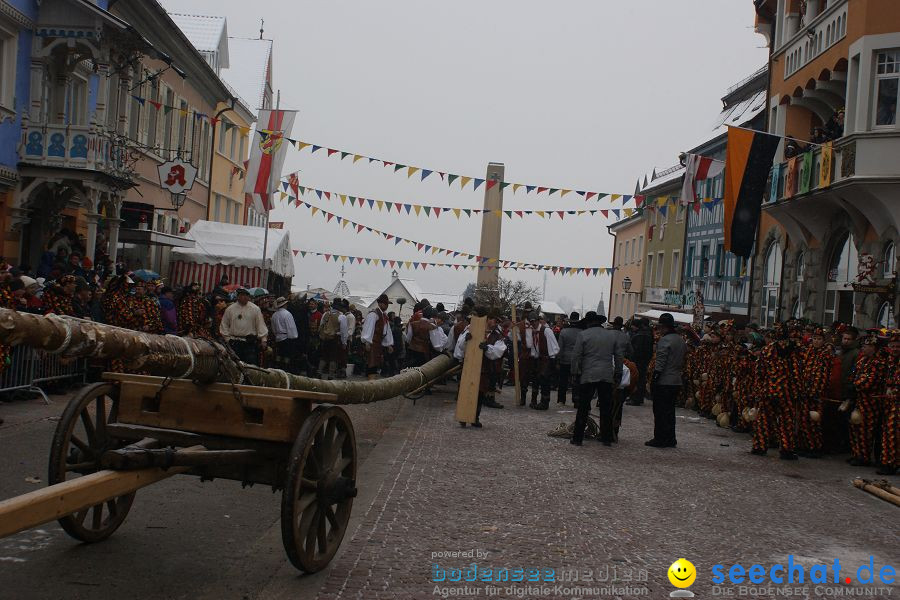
(28, 368)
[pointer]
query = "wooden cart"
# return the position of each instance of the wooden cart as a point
(131, 431)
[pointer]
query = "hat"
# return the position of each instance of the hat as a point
(667, 319)
(27, 281)
(86, 263)
(618, 321)
(280, 301)
(574, 316)
(870, 340)
(383, 299)
(592, 317)
(242, 290)
(66, 279)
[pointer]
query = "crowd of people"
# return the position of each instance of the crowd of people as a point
(803, 389)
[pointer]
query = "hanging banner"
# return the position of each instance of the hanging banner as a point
(267, 157)
(827, 165)
(806, 167)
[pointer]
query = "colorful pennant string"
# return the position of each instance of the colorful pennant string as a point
(187, 113)
(482, 261)
(413, 265)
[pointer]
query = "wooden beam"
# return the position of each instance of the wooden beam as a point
(515, 355)
(467, 397)
(56, 501)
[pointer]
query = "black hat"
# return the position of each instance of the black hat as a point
(618, 321)
(383, 299)
(592, 317)
(667, 319)
(574, 316)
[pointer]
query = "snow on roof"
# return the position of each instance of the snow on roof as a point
(237, 245)
(551, 308)
(204, 31)
(737, 115)
(248, 67)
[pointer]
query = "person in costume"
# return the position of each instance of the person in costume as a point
(543, 348)
(377, 336)
(193, 313)
(814, 373)
(869, 380)
(890, 409)
(776, 407)
(59, 297)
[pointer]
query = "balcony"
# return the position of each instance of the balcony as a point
(863, 183)
(815, 38)
(80, 147)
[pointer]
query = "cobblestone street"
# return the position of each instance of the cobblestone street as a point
(508, 493)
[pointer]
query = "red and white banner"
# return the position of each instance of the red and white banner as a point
(208, 276)
(267, 156)
(698, 168)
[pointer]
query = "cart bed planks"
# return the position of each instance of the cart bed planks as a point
(267, 414)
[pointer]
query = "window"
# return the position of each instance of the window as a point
(77, 104)
(844, 261)
(168, 120)
(649, 269)
(619, 255)
(887, 77)
(242, 156)
(217, 208)
(886, 318)
(152, 113)
(704, 260)
(682, 209)
(675, 271)
(689, 265)
(222, 136)
(720, 260)
(134, 117)
(660, 260)
(640, 247)
(181, 141)
(771, 291)
(203, 162)
(234, 136)
(627, 250)
(9, 43)
(890, 260)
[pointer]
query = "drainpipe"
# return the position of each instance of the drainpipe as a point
(212, 158)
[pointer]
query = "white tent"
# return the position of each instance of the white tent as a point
(235, 250)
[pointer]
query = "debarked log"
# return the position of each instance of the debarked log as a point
(201, 360)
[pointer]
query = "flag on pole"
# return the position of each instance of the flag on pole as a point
(267, 156)
(750, 156)
(698, 168)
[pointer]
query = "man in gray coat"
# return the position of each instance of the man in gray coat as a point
(567, 338)
(667, 379)
(597, 359)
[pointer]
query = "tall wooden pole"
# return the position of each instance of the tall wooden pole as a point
(491, 225)
(515, 353)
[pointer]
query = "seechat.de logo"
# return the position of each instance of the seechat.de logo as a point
(794, 572)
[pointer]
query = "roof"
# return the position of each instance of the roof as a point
(450, 301)
(738, 115)
(205, 32)
(672, 175)
(248, 67)
(551, 308)
(239, 246)
(678, 316)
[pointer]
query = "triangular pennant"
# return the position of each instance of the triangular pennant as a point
(457, 212)
(380, 205)
(425, 173)
(411, 171)
(356, 157)
(478, 182)
(437, 212)
(397, 167)
(463, 181)
(492, 183)
(541, 190)
(516, 187)
(344, 155)
(427, 210)
(529, 188)
(451, 179)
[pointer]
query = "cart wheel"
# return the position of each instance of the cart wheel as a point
(319, 488)
(80, 440)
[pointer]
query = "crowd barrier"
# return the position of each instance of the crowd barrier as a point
(28, 369)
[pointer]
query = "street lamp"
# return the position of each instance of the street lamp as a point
(401, 302)
(178, 200)
(626, 284)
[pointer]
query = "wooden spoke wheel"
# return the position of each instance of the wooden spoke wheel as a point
(80, 440)
(319, 488)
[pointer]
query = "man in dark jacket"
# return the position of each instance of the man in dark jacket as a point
(667, 380)
(567, 339)
(598, 360)
(642, 352)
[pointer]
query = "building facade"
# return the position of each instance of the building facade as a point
(629, 237)
(721, 277)
(827, 244)
(666, 219)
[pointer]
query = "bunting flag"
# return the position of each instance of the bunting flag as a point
(451, 178)
(297, 191)
(413, 265)
(790, 179)
(199, 116)
(806, 167)
(750, 155)
(422, 246)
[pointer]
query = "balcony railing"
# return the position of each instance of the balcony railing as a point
(813, 39)
(85, 147)
(806, 178)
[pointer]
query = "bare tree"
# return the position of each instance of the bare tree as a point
(506, 294)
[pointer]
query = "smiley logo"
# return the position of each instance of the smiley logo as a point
(682, 573)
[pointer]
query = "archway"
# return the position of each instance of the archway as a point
(771, 290)
(842, 269)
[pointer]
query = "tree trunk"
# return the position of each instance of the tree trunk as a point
(189, 358)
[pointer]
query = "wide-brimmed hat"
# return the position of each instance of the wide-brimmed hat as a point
(592, 317)
(280, 301)
(382, 299)
(667, 319)
(242, 290)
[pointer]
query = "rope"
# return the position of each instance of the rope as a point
(190, 350)
(287, 378)
(66, 341)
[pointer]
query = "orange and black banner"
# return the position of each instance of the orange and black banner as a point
(747, 166)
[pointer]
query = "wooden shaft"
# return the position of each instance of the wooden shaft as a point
(56, 501)
(877, 491)
(515, 354)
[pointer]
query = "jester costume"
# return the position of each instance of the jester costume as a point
(890, 411)
(814, 374)
(868, 381)
(6, 301)
(192, 314)
(776, 376)
(57, 301)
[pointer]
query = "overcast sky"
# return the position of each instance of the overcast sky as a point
(582, 95)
